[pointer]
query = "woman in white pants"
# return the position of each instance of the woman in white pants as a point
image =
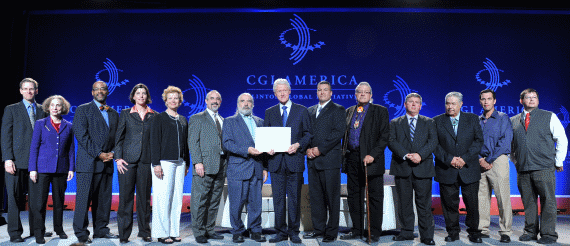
(170, 160)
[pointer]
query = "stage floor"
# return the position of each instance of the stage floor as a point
(562, 227)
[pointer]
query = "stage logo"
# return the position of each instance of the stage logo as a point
(398, 95)
(197, 94)
(112, 76)
(494, 81)
(565, 119)
(303, 42)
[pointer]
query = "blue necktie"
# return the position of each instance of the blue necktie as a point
(454, 123)
(284, 116)
(32, 115)
(412, 128)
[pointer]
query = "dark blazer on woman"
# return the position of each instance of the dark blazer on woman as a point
(164, 139)
(132, 142)
(52, 151)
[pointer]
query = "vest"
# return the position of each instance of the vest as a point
(534, 148)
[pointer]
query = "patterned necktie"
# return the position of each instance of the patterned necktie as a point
(455, 122)
(284, 116)
(32, 115)
(526, 121)
(412, 128)
(218, 125)
(319, 111)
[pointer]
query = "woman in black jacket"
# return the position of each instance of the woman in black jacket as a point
(132, 153)
(170, 158)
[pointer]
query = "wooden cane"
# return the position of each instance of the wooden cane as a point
(367, 203)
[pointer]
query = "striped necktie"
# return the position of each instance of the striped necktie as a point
(32, 115)
(412, 128)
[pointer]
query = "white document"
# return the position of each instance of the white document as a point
(276, 138)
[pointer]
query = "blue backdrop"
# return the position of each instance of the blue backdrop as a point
(398, 51)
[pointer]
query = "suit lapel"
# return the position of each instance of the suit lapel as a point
(351, 114)
(99, 116)
(406, 127)
(23, 111)
(447, 125)
(243, 128)
(293, 111)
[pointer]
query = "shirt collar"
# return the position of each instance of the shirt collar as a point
(288, 104)
(27, 104)
(97, 103)
(456, 117)
(134, 109)
(493, 115)
(325, 104)
(212, 114)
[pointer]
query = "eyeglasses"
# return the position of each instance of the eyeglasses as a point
(100, 89)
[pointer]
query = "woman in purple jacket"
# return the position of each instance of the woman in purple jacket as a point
(52, 160)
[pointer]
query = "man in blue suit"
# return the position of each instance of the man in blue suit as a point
(287, 167)
(94, 125)
(245, 172)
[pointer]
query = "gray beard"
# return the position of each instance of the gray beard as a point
(245, 111)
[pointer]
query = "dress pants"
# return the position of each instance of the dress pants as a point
(95, 189)
(139, 175)
(449, 194)
(324, 189)
(406, 187)
(243, 192)
(40, 193)
(167, 199)
(356, 186)
(17, 187)
(531, 185)
(206, 195)
(497, 178)
(286, 187)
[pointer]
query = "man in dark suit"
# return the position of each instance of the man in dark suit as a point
(17, 128)
(413, 139)
(460, 139)
(324, 163)
(287, 168)
(94, 125)
(365, 140)
(246, 173)
(209, 172)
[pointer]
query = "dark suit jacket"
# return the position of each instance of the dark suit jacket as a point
(467, 145)
(425, 141)
(237, 139)
(328, 130)
(17, 133)
(298, 120)
(93, 136)
(132, 142)
(373, 137)
(204, 143)
(52, 151)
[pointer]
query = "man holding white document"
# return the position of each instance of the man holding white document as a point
(287, 168)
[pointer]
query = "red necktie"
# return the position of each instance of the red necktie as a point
(526, 121)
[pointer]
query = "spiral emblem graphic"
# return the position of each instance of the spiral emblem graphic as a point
(401, 91)
(304, 40)
(565, 119)
(113, 76)
(199, 96)
(494, 81)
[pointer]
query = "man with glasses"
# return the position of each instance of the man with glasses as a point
(94, 126)
(364, 143)
(539, 147)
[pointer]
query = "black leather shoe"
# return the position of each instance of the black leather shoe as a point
(258, 237)
(401, 238)
(295, 239)
(277, 238)
(176, 239)
(48, 234)
(62, 235)
(201, 239)
(214, 235)
(312, 235)
(17, 240)
(505, 239)
(40, 240)
(452, 238)
(527, 237)
(167, 240)
(475, 238)
(350, 236)
(147, 239)
(546, 240)
(108, 236)
(123, 241)
(485, 236)
(428, 241)
(329, 239)
(86, 241)
(373, 239)
(237, 238)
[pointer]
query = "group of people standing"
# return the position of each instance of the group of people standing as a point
(156, 150)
